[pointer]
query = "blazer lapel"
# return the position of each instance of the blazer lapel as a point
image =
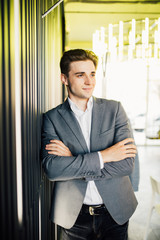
(97, 117)
(67, 114)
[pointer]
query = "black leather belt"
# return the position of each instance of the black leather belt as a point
(94, 209)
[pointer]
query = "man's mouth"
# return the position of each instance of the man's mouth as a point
(87, 89)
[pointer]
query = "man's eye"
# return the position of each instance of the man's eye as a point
(79, 75)
(93, 75)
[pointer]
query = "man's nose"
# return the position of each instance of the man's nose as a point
(87, 80)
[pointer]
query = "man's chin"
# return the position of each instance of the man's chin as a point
(87, 96)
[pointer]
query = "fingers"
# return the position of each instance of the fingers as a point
(131, 151)
(54, 147)
(55, 144)
(126, 141)
(59, 143)
(131, 155)
(129, 147)
(57, 147)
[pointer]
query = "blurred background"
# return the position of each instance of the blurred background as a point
(33, 35)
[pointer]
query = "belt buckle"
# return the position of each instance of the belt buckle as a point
(91, 210)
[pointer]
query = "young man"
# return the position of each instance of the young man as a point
(88, 151)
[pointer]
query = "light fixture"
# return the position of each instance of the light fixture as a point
(132, 39)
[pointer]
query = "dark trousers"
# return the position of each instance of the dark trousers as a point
(96, 227)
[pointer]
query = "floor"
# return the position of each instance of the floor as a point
(149, 165)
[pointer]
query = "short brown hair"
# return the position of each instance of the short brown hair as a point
(76, 55)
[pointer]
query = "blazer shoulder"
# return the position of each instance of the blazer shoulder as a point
(51, 112)
(57, 108)
(107, 102)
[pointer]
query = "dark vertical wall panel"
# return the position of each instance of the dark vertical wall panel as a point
(7, 121)
(38, 62)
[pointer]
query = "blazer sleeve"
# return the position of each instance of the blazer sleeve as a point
(135, 176)
(59, 168)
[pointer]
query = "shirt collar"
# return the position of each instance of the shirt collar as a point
(78, 111)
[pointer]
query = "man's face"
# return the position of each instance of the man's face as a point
(81, 80)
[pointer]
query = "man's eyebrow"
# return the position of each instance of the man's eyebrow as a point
(79, 73)
(83, 72)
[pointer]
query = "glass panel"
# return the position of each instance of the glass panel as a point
(129, 70)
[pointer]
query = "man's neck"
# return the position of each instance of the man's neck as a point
(81, 104)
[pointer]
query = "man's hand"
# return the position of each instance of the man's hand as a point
(58, 148)
(119, 151)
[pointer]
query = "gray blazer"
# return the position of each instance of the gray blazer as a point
(71, 174)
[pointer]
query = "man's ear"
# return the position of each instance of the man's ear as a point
(64, 79)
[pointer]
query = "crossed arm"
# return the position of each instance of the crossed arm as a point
(119, 151)
(60, 163)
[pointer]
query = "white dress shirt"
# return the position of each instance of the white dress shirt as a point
(92, 196)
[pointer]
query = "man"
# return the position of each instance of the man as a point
(88, 151)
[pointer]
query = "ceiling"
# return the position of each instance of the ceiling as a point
(83, 17)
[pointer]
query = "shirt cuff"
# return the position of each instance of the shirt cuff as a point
(101, 160)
